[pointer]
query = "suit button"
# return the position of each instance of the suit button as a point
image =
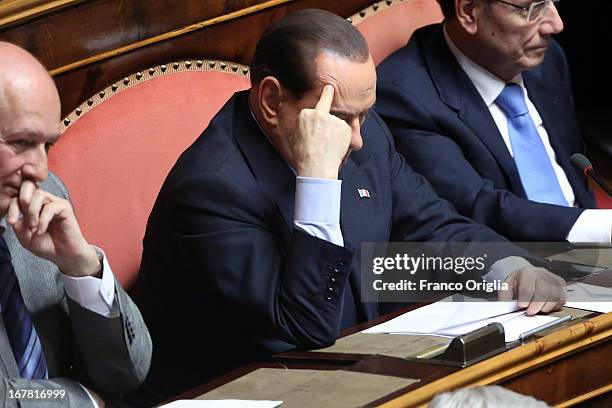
(333, 279)
(329, 298)
(335, 270)
(340, 263)
(330, 289)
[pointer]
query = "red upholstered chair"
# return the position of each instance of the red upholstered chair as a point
(601, 198)
(117, 148)
(388, 25)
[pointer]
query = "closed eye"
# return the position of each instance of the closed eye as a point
(22, 143)
(349, 118)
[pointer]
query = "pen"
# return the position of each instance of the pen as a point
(548, 325)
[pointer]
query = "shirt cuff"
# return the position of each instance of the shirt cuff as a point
(501, 269)
(592, 226)
(317, 208)
(95, 294)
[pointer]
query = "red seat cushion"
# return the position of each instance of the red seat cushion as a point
(388, 30)
(115, 157)
(601, 198)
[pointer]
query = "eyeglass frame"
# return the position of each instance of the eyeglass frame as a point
(529, 9)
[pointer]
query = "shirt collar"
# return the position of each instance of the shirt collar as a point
(488, 85)
(2, 225)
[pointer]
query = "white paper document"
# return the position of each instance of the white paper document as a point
(443, 314)
(445, 318)
(230, 403)
(589, 297)
(515, 324)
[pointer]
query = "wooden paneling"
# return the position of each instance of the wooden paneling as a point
(580, 374)
(96, 42)
(20, 11)
(94, 26)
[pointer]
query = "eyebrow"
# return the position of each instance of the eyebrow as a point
(32, 137)
(349, 114)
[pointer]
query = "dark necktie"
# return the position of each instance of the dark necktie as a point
(535, 169)
(18, 323)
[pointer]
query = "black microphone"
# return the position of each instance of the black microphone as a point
(583, 164)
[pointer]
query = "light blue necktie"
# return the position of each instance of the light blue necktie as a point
(535, 169)
(18, 323)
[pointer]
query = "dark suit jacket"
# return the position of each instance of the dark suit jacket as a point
(445, 131)
(226, 279)
(110, 355)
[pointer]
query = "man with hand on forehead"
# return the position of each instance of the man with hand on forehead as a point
(257, 229)
(69, 335)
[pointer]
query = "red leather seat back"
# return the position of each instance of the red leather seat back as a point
(602, 199)
(114, 157)
(389, 27)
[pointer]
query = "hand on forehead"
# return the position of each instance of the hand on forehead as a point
(325, 100)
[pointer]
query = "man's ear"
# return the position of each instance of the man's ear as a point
(467, 13)
(270, 97)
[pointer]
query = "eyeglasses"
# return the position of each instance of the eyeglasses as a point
(535, 9)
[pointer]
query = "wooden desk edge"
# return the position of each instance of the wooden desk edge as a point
(513, 362)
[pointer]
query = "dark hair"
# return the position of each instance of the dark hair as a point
(448, 8)
(288, 48)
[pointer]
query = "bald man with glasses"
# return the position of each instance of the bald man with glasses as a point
(481, 105)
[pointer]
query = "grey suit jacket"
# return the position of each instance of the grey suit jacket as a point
(110, 355)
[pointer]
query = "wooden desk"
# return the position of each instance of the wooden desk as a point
(565, 368)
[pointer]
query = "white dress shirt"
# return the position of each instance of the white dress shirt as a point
(317, 208)
(95, 294)
(591, 225)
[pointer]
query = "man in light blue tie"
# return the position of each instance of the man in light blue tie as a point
(481, 105)
(535, 170)
(69, 335)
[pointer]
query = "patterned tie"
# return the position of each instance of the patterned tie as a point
(18, 323)
(535, 169)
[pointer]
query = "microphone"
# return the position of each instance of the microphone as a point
(583, 164)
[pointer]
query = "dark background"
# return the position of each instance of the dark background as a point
(587, 41)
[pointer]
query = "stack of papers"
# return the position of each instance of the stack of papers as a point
(589, 297)
(514, 324)
(451, 318)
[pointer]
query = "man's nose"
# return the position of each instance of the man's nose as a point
(552, 22)
(356, 139)
(36, 167)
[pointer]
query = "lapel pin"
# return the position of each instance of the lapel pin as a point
(363, 193)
